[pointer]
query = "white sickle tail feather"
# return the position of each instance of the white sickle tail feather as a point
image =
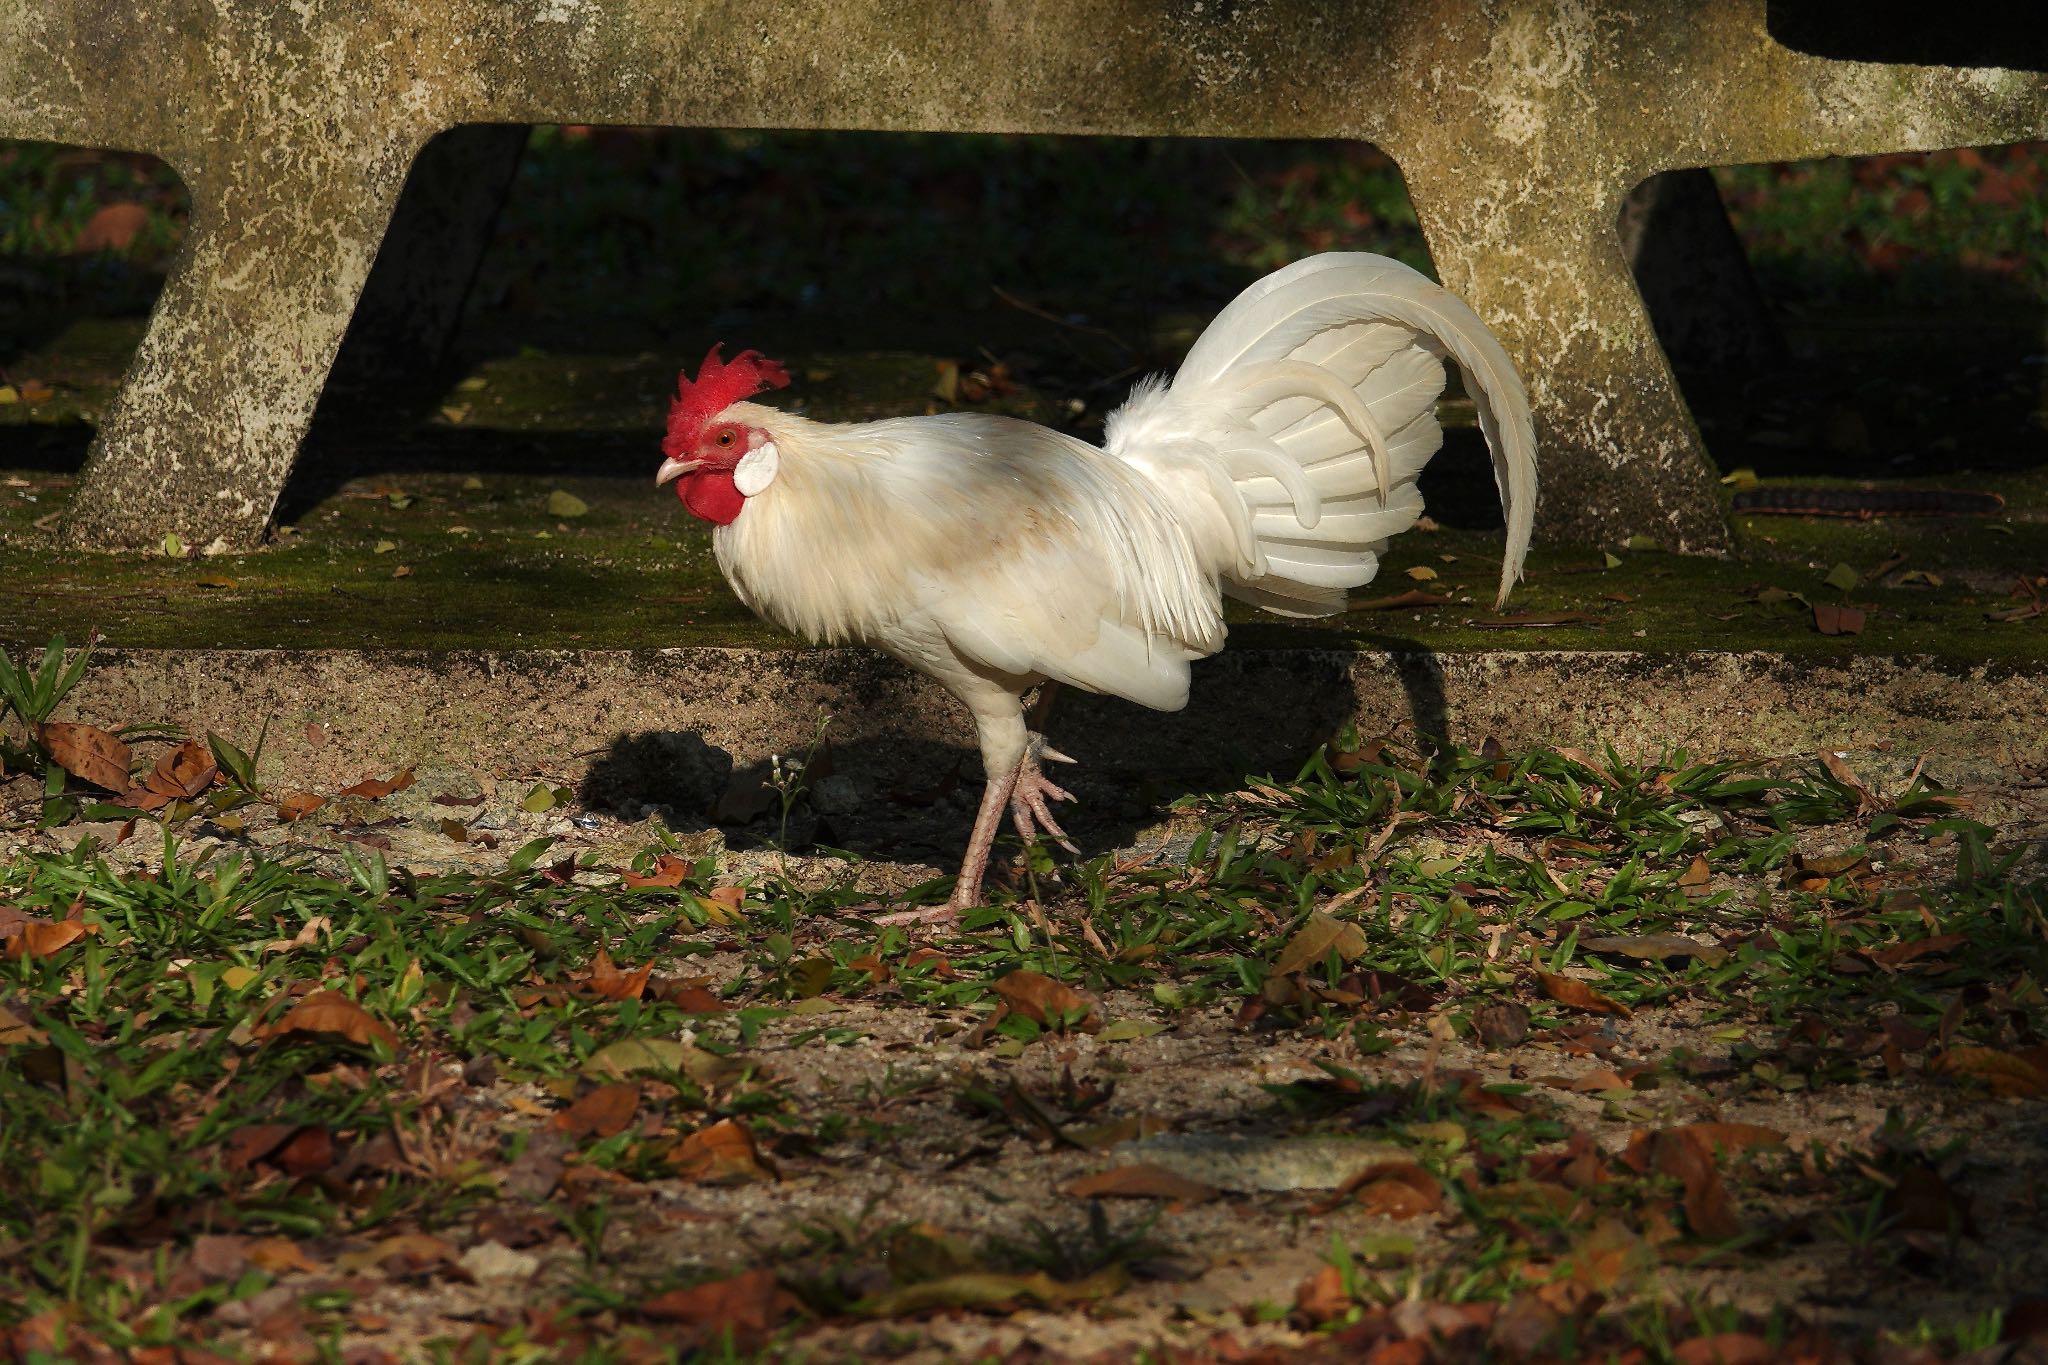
(1296, 428)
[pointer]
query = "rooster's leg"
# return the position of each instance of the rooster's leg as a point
(1005, 746)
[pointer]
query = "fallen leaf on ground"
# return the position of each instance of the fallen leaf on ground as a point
(1413, 598)
(31, 938)
(1579, 995)
(601, 1113)
(181, 774)
(669, 870)
(376, 788)
(722, 1154)
(1141, 1180)
(1392, 1189)
(88, 753)
(609, 982)
(2007, 1073)
(692, 998)
(1830, 619)
(1656, 948)
(1725, 1348)
(985, 1289)
(1043, 1000)
(298, 805)
(331, 1012)
(1319, 936)
(1687, 1155)
(407, 1253)
(14, 1029)
(749, 1306)
(1533, 622)
(308, 1151)
(1322, 1296)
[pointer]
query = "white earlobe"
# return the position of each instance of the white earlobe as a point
(756, 469)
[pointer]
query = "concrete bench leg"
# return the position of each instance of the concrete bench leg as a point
(1618, 448)
(209, 418)
(399, 339)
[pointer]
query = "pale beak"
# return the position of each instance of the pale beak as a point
(674, 469)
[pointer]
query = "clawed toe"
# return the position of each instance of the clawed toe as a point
(929, 914)
(1028, 808)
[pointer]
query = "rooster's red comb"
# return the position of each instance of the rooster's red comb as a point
(719, 384)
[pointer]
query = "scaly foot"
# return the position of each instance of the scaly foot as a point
(1028, 798)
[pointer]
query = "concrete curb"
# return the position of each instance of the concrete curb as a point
(337, 714)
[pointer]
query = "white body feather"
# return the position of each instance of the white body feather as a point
(994, 554)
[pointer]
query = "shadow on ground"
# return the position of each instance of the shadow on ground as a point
(912, 799)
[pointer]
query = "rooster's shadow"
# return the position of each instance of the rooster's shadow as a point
(908, 797)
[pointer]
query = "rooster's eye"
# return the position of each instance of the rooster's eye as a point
(725, 437)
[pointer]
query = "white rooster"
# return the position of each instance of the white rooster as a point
(995, 555)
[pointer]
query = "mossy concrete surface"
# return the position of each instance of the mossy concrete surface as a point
(1520, 128)
(534, 622)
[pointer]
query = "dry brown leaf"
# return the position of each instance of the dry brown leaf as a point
(1656, 947)
(308, 1151)
(1730, 1139)
(1140, 1180)
(253, 1142)
(1535, 622)
(181, 774)
(42, 938)
(279, 1255)
(88, 753)
(748, 1306)
(14, 1029)
(1413, 598)
(692, 998)
(1830, 619)
(1726, 1348)
(1844, 774)
(1041, 999)
(669, 870)
(1592, 1083)
(1392, 1189)
(376, 788)
(1687, 1156)
(2007, 1073)
(1322, 1297)
(1900, 953)
(602, 1113)
(298, 805)
(1319, 936)
(333, 1013)
(610, 983)
(722, 1154)
(942, 966)
(1579, 995)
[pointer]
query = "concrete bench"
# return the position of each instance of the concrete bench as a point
(1520, 125)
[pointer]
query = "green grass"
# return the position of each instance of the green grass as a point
(156, 1088)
